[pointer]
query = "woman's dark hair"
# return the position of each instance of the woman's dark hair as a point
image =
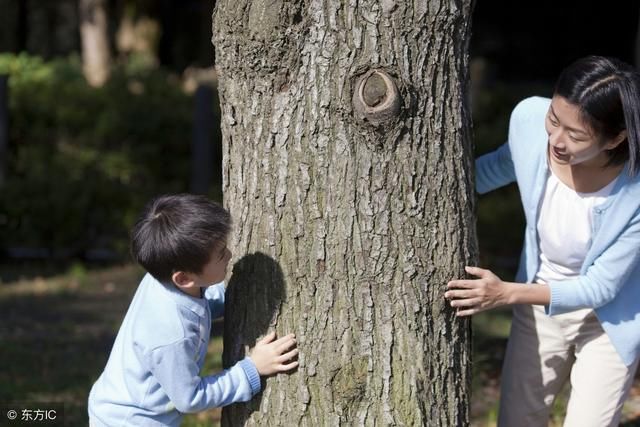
(607, 92)
(178, 233)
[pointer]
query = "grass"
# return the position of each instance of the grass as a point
(55, 335)
(57, 332)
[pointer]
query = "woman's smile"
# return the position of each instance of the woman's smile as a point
(558, 154)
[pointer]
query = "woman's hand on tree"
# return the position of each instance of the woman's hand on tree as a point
(471, 296)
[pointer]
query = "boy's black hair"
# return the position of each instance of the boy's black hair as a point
(607, 91)
(178, 233)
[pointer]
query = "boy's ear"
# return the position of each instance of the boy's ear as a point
(182, 279)
(617, 140)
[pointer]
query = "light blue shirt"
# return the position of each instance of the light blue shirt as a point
(609, 280)
(152, 376)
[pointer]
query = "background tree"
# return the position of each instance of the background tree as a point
(347, 169)
(94, 35)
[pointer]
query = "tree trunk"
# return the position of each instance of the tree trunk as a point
(636, 52)
(94, 35)
(348, 172)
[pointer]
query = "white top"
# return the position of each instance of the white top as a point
(565, 229)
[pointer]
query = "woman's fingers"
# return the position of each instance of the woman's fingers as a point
(454, 294)
(464, 284)
(476, 271)
(468, 302)
(475, 295)
(468, 312)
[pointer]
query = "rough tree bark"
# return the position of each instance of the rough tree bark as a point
(94, 37)
(348, 171)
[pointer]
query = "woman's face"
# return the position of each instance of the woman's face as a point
(571, 140)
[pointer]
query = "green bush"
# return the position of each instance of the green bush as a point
(82, 161)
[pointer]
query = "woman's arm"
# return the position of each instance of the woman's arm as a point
(494, 170)
(604, 278)
(489, 291)
(599, 285)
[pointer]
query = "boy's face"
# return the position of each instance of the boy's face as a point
(213, 272)
(216, 269)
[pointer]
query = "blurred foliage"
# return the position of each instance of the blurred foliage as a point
(500, 217)
(83, 161)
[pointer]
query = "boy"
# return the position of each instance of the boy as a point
(152, 375)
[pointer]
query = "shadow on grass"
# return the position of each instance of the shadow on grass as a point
(56, 339)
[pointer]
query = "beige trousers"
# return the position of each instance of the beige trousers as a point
(543, 352)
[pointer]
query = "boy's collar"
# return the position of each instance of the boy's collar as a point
(197, 305)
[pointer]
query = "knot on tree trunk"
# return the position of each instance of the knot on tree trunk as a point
(376, 98)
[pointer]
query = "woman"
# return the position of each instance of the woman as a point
(575, 159)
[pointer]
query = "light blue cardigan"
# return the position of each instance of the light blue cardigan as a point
(153, 374)
(609, 279)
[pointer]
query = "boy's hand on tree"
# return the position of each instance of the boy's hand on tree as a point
(272, 356)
